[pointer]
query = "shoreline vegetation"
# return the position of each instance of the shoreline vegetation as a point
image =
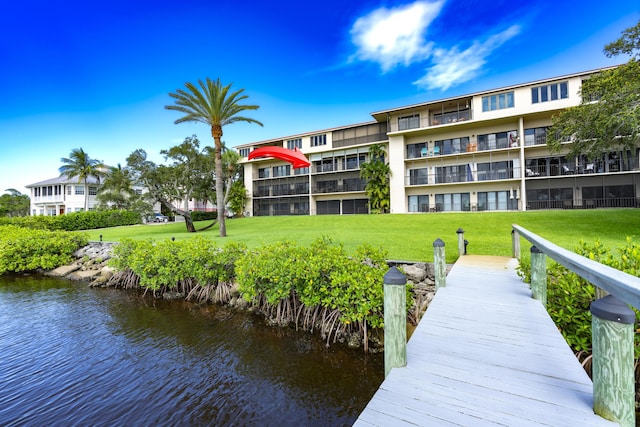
(323, 277)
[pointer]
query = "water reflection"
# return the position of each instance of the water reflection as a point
(74, 355)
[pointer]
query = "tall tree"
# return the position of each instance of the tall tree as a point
(213, 104)
(377, 172)
(80, 165)
(14, 203)
(608, 117)
(189, 175)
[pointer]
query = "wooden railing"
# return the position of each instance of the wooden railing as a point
(612, 323)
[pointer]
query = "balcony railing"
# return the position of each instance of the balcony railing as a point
(582, 168)
(469, 176)
(340, 188)
(610, 202)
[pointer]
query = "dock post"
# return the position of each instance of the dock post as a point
(461, 248)
(539, 275)
(515, 243)
(612, 325)
(439, 264)
(395, 320)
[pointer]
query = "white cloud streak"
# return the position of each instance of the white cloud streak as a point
(395, 36)
(452, 66)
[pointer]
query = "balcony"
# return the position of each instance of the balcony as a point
(463, 174)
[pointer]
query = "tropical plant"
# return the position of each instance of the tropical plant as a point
(212, 103)
(79, 165)
(14, 204)
(377, 173)
(608, 117)
(117, 190)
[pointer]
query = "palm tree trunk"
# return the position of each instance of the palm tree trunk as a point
(216, 132)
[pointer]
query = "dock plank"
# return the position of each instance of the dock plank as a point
(485, 353)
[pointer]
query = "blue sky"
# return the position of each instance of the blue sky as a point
(96, 74)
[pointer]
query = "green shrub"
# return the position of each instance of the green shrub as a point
(76, 220)
(203, 216)
(569, 296)
(24, 249)
(167, 263)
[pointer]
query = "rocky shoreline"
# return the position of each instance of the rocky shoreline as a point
(90, 265)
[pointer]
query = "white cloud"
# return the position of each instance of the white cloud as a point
(395, 36)
(452, 66)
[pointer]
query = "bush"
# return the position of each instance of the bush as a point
(203, 216)
(167, 264)
(76, 220)
(569, 296)
(23, 249)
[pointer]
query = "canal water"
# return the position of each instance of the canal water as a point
(75, 356)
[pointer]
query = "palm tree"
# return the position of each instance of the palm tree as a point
(211, 103)
(377, 172)
(117, 188)
(80, 165)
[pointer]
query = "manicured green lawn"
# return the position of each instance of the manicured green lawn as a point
(411, 237)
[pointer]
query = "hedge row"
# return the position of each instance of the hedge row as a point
(24, 249)
(75, 221)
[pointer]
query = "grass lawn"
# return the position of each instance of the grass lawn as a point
(410, 236)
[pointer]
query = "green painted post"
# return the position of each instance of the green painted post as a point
(612, 363)
(439, 264)
(515, 243)
(461, 250)
(395, 320)
(539, 275)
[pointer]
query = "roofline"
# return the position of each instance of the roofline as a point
(299, 135)
(513, 86)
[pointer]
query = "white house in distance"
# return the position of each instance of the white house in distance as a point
(61, 195)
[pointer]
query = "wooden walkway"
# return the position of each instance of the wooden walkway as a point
(485, 354)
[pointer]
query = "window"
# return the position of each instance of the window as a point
(451, 146)
(281, 170)
(494, 141)
(416, 150)
(318, 140)
(244, 152)
(93, 191)
(79, 190)
(264, 173)
(535, 136)
(495, 170)
(453, 202)
(294, 143)
(550, 92)
(301, 171)
(497, 200)
(409, 122)
(497, 102)
(419, 203)
(418, 176)
(69, 189)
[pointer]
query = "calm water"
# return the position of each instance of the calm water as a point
(70, 355)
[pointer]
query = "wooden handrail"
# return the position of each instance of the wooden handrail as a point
(622, 285)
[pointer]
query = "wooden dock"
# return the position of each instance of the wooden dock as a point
(485, 354)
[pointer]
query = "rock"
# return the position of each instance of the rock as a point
(63, 270)
(170, 295)
(415, 273)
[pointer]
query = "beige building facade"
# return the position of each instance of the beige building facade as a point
(479, 152)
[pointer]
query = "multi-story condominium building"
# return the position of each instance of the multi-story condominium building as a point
(61, 195)
(479, 152)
